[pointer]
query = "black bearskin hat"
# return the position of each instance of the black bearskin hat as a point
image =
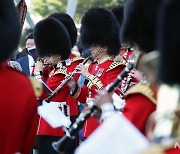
(139, 24)
(169, 41)
(100, 27)
(51, 38)
(118, 11)
(29, 34)
(68, 22)
(9, 29)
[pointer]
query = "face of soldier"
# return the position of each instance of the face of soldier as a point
(95, 49)
(52, 60)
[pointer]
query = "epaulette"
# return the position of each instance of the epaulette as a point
(61, 70)
(76, 59)
(143, 89)
(37, 86)
(115, 64)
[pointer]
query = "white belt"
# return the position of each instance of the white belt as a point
(62, 105)
(58, 104)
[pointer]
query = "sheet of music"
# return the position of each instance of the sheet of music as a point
(115, 136)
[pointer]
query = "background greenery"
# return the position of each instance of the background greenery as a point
(46, 7)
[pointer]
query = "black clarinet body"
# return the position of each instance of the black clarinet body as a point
(59, 145)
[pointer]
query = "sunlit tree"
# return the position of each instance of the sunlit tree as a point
(46, 7)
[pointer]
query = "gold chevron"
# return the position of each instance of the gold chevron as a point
(76, 59)
(61, 70)
(93, 80)
(144, 89)
(115, 64)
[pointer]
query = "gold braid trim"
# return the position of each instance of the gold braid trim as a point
(76, 59)
(93, 80)
(115, 64)
(77, 92)
(61, 70)
(144, 90)
(37, 86)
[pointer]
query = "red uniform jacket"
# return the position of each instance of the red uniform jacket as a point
(55, 78)
(140, 103)
(18, 112)
(173, 150)
(103, 72)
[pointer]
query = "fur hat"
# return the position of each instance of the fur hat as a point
(139, 25)
(118, 11)
(68, 22)
(51, 38)
(9, 29)
(29, 34)
(100, 27)
(168, 41)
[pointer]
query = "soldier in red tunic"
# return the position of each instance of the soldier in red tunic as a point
(166, 132)
(73, 60)
(70, 63)
(18, 105)
(53, 43)
(141, 97)
(99, 33)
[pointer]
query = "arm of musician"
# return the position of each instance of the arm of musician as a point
(72, 67)
(137, 76)
(94, 83)
(104, 101)
(38, 70)
(53, 83)
(78, 93)
(45, 73)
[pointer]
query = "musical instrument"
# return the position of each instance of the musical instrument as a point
(59, 145)
(69, 77)
(41, 60)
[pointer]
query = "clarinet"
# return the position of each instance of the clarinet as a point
(69, 77)
(59, 145)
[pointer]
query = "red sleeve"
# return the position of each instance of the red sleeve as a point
(45, 73)
(81, 94)
(72, 67)
(173, 150)
(53, 82)
(138, 109)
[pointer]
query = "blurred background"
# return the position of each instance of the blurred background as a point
(38, 9)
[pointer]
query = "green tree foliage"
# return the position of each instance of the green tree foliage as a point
(84, 5)
(46, 7)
